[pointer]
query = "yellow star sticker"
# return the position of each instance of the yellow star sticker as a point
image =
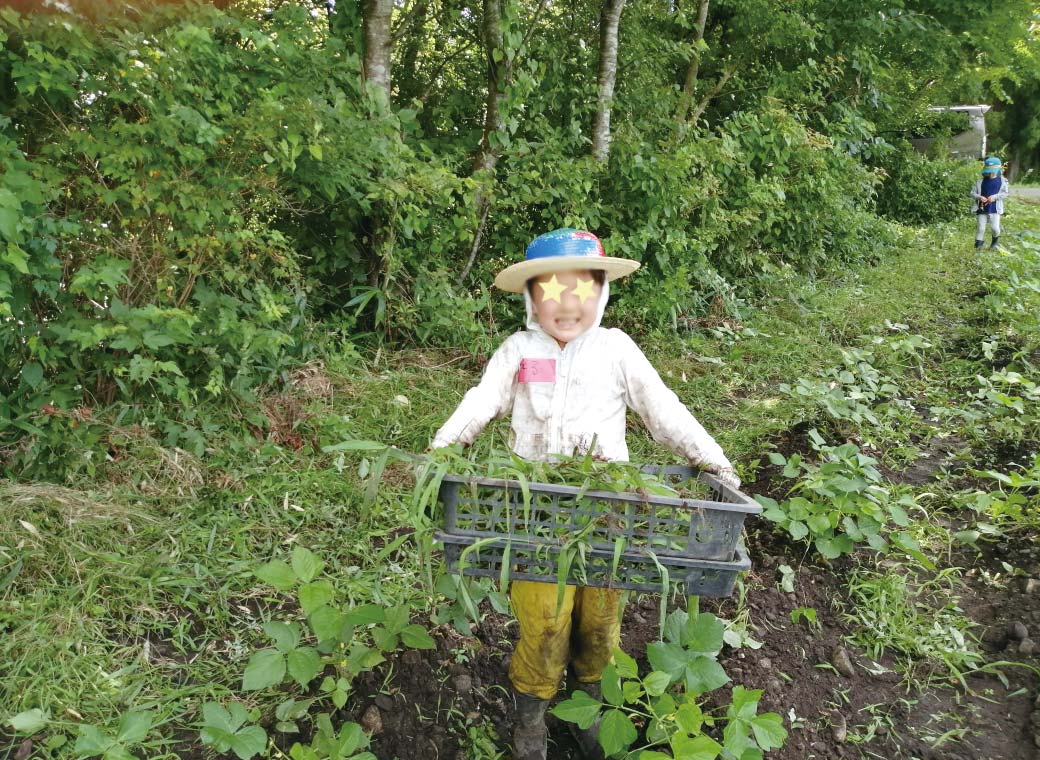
(552, 290)
(584, 290)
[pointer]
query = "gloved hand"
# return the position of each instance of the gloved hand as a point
(728, 476)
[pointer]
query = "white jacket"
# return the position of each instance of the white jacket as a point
(597, 377)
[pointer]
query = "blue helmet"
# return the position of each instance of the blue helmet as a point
(991, 166)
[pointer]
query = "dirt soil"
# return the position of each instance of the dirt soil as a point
(420, 704)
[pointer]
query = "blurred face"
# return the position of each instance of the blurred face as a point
(566, 303)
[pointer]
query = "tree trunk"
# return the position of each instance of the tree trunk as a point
(609, 20)
(711, 95)
(498, 72)
(376, 15)
(693, 69)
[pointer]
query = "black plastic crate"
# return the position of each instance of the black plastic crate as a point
(705, 529)
(536, 561)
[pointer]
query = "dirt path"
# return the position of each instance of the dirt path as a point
(1031, 194)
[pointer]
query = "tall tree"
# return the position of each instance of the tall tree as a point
(378, 42)
(499, 72)
(693, 68)
(609, 20)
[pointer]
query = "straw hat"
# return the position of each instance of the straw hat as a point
(560, 250)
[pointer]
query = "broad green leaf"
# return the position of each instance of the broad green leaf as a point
(632, 690)
(695, 747)
(625, 664)
(385, 639)
(397, 618)
(819, 523)
(304, 664)
(769, 731)
(616, 732)
(92, 741)
(249, 742)
(690, 718)
(649, 754)
(674, 625)
(17, 258)
(736, 737)
(315, 595)
(704, 634)
(580, 709)
(610, 683)
(285, 636)
(656, 683)
(366, 614)
(306, 564)
(327, 623)
(351, 738)
(362, 658)
(278, 574)
(828, 547)
(266, 668)
(32, 374)
(670, 658)
(134, 727)
(216, 716)
(744, 703)
(703, 674)
(29, 721)
(798, 530)
(416, 637)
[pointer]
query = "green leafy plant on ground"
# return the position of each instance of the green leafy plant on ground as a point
(670, 701)
(842, 500)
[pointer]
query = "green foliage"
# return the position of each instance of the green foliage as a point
(226, 729)
(842, 500)
(351, 640)
(96, 742)
(328, 744)
(917, 619)
(922, 190)
(671, 700)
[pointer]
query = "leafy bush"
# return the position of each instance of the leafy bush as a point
(922, 190)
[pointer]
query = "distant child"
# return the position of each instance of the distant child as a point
(989, 194)
(567, 383)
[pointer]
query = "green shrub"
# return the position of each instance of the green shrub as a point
(922, 190)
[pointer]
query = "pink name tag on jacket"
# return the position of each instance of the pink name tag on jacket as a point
(537, 371)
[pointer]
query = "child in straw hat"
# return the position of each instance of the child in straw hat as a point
(567, 383)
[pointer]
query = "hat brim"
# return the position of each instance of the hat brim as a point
(513, 278)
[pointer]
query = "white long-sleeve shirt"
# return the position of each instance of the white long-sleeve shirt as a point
(596, 377)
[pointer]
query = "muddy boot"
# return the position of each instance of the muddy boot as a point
(588, 738)
(529, 736)
(993, 245)
(979, 244)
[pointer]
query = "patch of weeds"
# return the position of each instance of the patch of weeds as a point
(915, 619)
